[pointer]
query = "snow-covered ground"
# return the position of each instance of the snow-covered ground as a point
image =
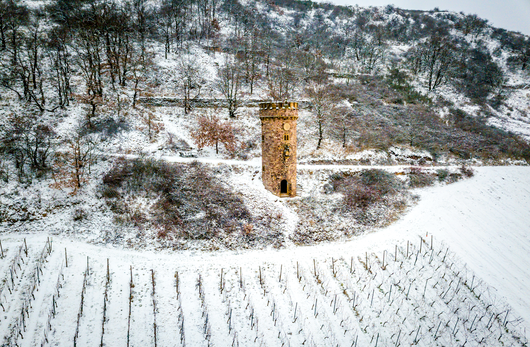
(322, 295)
(485, 220)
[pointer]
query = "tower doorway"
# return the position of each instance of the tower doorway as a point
(283, 187)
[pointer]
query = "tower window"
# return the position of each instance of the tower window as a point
(286, 137)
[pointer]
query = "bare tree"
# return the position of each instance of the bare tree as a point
(229, 83)
(89, 47)
(27, 142)
(140, 66)
(166, 20)
(116, 29)
(174, 15)
(72, 167)
(59, 57)
(188, 82)
(251, 57)
(38, 144)
(282, 78)
(141, 21)
(368, 51)
(12, 17)
(342, 123)
(434, 58)
(24, 73)
(472, 25)
(30, 66)
(520, 48)
(3, 25)
(311, 64)
(38, 70)
(152, 122)
(323, 105)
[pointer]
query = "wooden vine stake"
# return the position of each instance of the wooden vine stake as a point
(105, 299)
(153, 293)
(298, 272)
(131, 285)
(177, 283)
(221, 282)
(431, 242)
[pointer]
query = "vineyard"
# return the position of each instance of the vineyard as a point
(417, 293)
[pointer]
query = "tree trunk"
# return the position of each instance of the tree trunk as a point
(2, 35)
(320, 133)
(14, 44)
(231, 108)
(135, 96)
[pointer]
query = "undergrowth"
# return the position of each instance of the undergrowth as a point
(179, 201)
(368, 198)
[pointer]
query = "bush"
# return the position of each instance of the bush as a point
(379, 125)
(190, 202)
(454, 177)
(366, 188)
(380, 180)
(419, 179)
(79, 214)
(117, 175)
(110, 192)
(359, 196)
(442, 174)
(211, 131)
(480, 75)
(109, 126)
(467, 171)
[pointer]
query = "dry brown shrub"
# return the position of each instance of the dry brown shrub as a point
(211, 131)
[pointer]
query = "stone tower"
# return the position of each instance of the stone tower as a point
(278, 147)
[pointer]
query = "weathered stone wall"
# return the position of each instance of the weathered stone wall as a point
(205, 103)
(278, 129)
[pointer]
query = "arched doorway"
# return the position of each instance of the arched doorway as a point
(283, 187)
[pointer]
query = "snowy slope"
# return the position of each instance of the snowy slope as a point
(483, 220)
(486, 221)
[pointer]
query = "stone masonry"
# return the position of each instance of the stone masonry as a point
(278, 146)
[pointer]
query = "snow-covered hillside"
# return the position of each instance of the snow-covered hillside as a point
(124, 218)
(358, 292)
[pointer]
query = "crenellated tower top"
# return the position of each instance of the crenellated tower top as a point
(278, 106)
